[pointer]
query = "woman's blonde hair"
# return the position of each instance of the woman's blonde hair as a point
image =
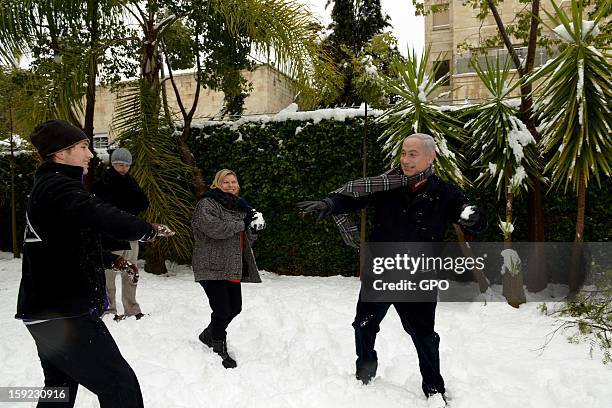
(221, 174)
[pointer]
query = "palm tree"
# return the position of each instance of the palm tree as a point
(503, 147)
(52, 34)
(574, 106)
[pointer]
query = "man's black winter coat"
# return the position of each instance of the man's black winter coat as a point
(63, 263)
(402, 215)
(121, 191)
(124, 193)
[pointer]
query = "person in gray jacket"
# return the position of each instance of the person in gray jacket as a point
(224, 227)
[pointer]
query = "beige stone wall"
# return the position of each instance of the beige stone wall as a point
(272, 92)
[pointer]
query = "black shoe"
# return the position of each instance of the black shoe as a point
(118, 318)
(206, 338)
(220, 347)
(139, 316)
(366, 372)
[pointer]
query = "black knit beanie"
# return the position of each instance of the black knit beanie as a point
(55, 135)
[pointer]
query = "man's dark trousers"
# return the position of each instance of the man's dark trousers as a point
(80, 350)
(418, 321)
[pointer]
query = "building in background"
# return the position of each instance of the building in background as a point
(458, 24)
(272, 92)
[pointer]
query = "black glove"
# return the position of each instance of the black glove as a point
(248, 218)
(469, 216)
(322, 207)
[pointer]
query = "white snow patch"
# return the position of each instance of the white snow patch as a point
(493, 168)
(519, 177)
(295, 348)
(512, 262)
(588, 28)
(518, 138)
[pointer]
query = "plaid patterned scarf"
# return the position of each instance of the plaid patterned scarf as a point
(389, 180)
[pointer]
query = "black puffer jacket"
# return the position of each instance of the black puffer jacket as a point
(63, 263)
(402, 215)
(124, 193)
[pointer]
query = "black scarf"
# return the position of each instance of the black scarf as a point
(228, 201)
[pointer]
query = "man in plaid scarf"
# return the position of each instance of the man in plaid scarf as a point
(411, 205)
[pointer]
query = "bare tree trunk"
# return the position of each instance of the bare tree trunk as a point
(92, 71)
(576, 273)
(16, 252)
(183, 147)
(164, 92)
(185, 152)
(364, 162)
(512, 284)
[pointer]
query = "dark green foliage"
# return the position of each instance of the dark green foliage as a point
(354, 23)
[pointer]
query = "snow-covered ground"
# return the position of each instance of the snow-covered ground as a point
(294, 347)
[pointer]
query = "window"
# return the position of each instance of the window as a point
(100, 141)
(442, 68)
(441, 18)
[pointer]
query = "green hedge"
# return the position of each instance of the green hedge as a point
(281, 163)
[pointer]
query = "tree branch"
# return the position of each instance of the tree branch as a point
(506, 38)
(173, 82)
(533, 33)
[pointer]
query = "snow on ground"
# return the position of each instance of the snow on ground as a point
(294, 347)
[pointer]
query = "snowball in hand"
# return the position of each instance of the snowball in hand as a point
(467, 211)
(258, 222)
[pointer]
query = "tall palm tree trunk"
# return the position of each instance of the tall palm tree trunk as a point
(150, 88)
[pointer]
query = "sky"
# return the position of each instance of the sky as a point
(408, 29)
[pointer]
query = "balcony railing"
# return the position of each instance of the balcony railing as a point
(463, 62)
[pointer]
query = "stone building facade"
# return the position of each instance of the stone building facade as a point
(272, 92)
(447, 30)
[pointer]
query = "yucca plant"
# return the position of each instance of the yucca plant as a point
(502, 146)
(574, 91)
(415, 112)
(499, 142)
(573, 104)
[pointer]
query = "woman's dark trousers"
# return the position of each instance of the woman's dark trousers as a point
(225, 299)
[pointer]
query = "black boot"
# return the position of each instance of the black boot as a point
(365, 372)
(220, 347)
(206, 338)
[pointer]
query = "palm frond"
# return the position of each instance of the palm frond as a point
(574, 93)
(157, 167)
